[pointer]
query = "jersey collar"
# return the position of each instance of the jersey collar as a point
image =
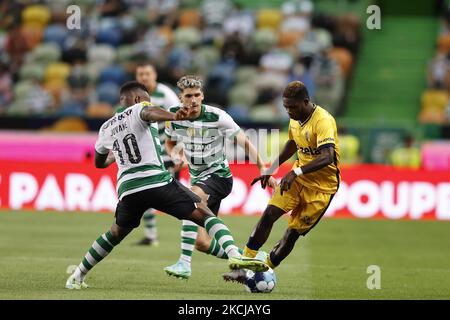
(202, 112)
(310, 116)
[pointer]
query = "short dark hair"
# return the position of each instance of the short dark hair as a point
(131, 86)
(296, 90)
(143, 63)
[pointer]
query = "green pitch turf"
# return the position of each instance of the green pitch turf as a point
(330, 263)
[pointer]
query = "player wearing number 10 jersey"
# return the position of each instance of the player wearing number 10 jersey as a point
(143, 182)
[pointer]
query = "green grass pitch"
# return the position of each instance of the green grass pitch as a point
(330, 263)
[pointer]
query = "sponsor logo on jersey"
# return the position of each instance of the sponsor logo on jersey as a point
(309, 151)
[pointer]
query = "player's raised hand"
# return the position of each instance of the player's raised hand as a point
(287, 180)
(264, 180)
(182, 114)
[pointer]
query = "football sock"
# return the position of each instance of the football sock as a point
(99, 249)
(151, 232)
(216, 250)
(219, 231)
(269, 262)
(188, 236)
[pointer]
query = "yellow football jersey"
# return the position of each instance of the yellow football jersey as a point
(317, 131)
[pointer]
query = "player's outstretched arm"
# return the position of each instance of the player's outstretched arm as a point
(103, 160)
(157, 114)
(288, 151)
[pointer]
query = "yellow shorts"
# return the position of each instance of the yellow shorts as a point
(307, 205)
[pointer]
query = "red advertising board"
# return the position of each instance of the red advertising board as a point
(366, 191)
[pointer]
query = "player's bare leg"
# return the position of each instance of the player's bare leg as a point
(189, 239)
(96, 253)
(283, 248)
(262, 230)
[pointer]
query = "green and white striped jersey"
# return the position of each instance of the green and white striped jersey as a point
(164, 97)
(137, 150)
(203, 141)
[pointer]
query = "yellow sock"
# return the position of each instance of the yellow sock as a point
(269, 263)
(249, 252)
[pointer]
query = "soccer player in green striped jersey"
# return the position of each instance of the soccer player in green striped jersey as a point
(143, 182)
(203, 143)
(162, 96)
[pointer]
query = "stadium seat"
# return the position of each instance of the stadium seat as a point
(22, 88)
(263, 113)
(264, 39)
(102, 54)
(70, 124)
(108, 92)
(189, 18)
(434, 100)
(124, 53)
(167, 33)
(110, 36)
(56, 33)
(36, 14)
(269, 18)
(32, 70)
(239, 113)
(343, 57)
(243, 94)
(57, 71)
(46, 53)
(72, 108)
(32, 34)
(55, 88)
(444, 43)
(205, 57)
(246, 74)
(113, 73)
(18, 108)
(187, 36)
(288, 38)
(99, 110)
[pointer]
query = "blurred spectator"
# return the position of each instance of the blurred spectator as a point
(407, 155)
(38, 100)
(297, 15)
(246, 56)
(437, 69)
(6, 92)
(16, 47)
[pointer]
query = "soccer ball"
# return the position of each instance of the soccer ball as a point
(260, 282)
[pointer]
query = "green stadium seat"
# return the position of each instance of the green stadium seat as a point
(187, 36)
(243, 94)
(246, 74)
(32, 70)
(46, 53)
(264, 39)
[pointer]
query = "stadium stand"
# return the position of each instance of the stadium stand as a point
(245, 51)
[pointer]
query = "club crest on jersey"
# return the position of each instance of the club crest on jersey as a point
(190, 132)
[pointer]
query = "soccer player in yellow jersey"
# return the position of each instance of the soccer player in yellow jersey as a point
(309, 187)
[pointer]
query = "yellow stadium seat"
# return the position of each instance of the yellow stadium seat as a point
(70, 124)
(57, 71)
(36, 14)
(435, 99)
(269, 18)
(55, 87)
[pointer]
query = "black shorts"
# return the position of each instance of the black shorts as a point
(173, 198)
(217, 188)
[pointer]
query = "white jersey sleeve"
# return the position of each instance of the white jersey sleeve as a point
(104, 141)
(227, 126)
